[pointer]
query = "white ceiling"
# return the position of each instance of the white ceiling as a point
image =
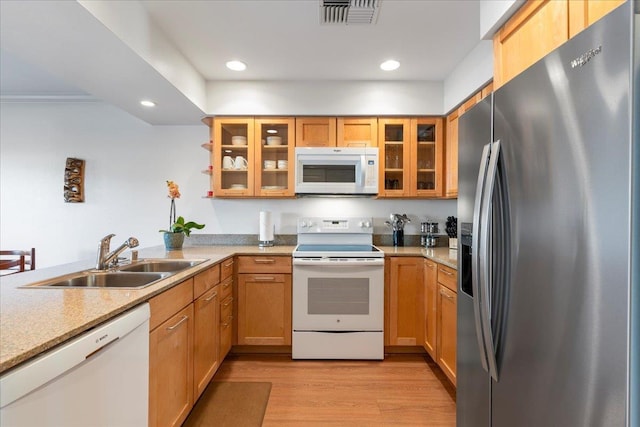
(284, 40)
(58, 48)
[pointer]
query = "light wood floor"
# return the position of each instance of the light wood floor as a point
(401, 390)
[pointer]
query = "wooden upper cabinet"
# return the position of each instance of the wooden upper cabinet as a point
(340, 132)
(539, 27)
(451, 168)
(394, 140)
(411, 157)
(583, 13)
(536, 29)
(427, 157)
(233, 141)
(357, 132)
(274, 144)
(315, 132)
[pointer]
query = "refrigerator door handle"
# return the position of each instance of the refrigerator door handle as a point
(485, 258)
(475, 255)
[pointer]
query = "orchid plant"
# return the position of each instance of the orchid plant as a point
(178, 225)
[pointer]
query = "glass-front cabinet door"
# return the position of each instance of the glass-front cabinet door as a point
(428, 158)
(274, 157)
(395, 157)
(233, 157)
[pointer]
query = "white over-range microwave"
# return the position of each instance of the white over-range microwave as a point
(336, 170)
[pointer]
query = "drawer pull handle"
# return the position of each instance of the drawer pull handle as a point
(264, 260)
(445, 294)
(215, 294)
(264, 278)
(226, 285)
(446, 272)
(227, 304)
(227, 265)
(171, 328)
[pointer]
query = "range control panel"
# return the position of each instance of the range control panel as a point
(359, 225)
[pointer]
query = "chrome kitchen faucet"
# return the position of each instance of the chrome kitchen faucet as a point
(105, 258)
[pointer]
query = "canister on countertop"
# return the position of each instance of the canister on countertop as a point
(266, 229)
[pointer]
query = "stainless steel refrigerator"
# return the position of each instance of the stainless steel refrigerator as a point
(548, 207)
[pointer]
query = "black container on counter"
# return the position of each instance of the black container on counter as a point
(398, 237)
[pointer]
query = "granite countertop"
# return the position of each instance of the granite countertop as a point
(37, 319)
(442, 255)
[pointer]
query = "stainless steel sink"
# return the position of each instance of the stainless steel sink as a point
(160, 265)
(94, 279)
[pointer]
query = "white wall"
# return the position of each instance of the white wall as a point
(127, 164)
(471, 74)
(327, 98)
(494, 13)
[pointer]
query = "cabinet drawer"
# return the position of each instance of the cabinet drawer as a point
(448, 277)
(206, 280)
(226, 268)
(264, 264)
(170, 302)
(226, 288)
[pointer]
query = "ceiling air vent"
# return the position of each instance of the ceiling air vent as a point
(349, 11)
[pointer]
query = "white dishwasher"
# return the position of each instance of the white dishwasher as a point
(98, 379)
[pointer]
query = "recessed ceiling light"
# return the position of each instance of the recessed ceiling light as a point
(390, 65)
(147, 103)
(236, 65)
(272, 131)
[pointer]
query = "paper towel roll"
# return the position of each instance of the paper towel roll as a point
(266, 227)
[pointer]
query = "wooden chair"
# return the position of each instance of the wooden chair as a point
(16, 261)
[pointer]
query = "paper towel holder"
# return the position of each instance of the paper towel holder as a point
(265, 243)
(267, 229)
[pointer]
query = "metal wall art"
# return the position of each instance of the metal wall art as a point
(74, 181)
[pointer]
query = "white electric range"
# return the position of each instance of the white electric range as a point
(338, 290)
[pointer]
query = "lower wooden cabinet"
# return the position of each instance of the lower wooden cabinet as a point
(405, 292)
(226, 316)
(264, 300)
(184, 342)
(446, 331)
(171, 370)
(430, 306)
(447, 321)
(264, 307)
(206, 337)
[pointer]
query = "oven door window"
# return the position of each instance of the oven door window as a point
(338, 296)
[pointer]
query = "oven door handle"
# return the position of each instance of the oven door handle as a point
(347, 263)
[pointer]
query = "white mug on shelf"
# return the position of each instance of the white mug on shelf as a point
(240, 163)
(282, 164)
(269, 164)
(227, 162)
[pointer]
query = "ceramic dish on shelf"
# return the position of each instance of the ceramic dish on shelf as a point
(274, 140)
(238, 187)
(273, 187)
(238, 140)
